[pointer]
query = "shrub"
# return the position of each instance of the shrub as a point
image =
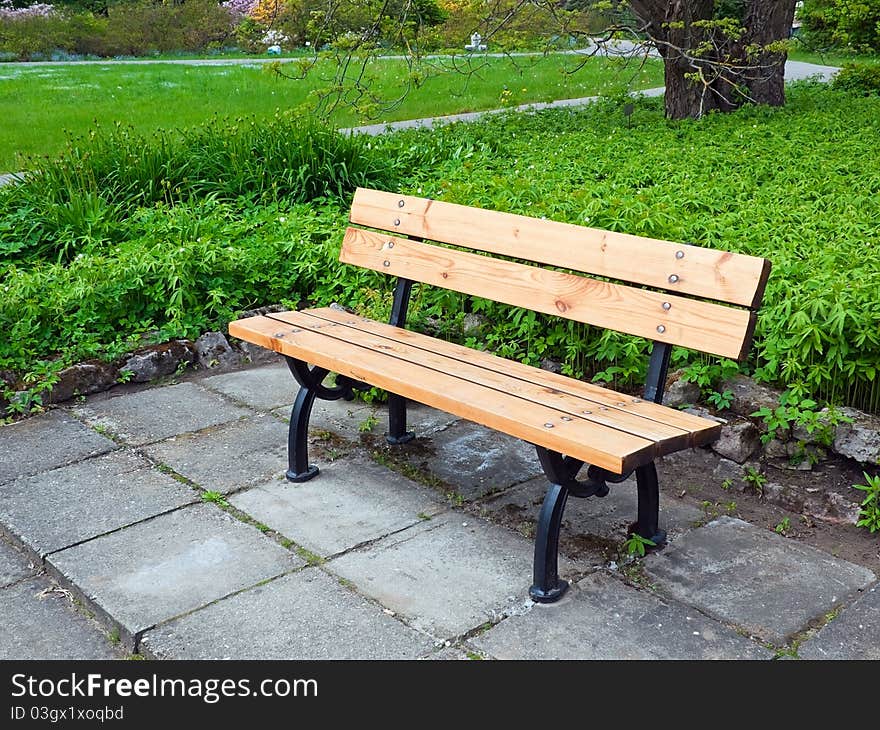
(858, 78)
(31, 31)
(139, 28)
(239, 9)
(78, 200)
(525, 29)
(131, 28)
(16, 11)
(842, 24)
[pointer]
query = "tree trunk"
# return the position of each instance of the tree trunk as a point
(706, 70)
(767, 21)
(686, 98)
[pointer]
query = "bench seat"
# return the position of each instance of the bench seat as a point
(593, 424)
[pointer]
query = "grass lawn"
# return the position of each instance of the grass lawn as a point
(833, 57)
(39, 104)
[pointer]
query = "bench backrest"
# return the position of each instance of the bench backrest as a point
(686, 275)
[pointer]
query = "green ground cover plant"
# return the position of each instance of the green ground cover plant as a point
(869, 513)
(120, 257)
(859, 78)
(798, 185)
(39, 105)
(800, 51)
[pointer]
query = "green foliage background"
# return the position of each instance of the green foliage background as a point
(97, 256)
(853, 24)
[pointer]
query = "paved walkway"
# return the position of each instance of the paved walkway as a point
(794, 71)
(158, 521)
(611, 48)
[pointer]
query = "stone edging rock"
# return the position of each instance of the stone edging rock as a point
(211, 350)
(743, 453)
(858, 438)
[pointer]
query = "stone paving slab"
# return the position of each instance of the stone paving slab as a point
(603, 618)
(476, 460)
(448, 653)
(422, 420)
(229, 456)
(350, 502)
(350, 419)
(607, 517)
(54, 510)
(45, 442)
(344, 418)
(41, 623)
(448, 575)
(853, 634)
(304, 616)
(13, 565)
(159, 569)
(155, 414)
(264, 388)
(754, 578)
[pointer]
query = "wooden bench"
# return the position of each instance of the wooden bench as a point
(571, 422)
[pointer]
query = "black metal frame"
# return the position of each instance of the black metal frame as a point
(310, 386)
(562, 471)
(397, 433)
(310, 379)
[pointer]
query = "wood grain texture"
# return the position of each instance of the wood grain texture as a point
(699, 325)
(593, 397)
(346, 344)
(358, 331)
(702, 272)
(595, 444)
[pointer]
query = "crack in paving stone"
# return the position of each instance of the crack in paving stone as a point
(318, 619)
(267, 581)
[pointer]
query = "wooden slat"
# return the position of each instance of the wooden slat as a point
(582, 439)
(703, 431)
(357, 331)
(703, 272)
(699, 325)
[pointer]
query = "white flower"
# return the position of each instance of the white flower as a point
(274, 37)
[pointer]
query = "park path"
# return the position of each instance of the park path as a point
(794, 71)
(616, 48)
(258, 60)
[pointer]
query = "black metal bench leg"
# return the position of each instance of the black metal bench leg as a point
(648, 525)
(547, 586)
(299, 469)
(397, 433)
(311, 386)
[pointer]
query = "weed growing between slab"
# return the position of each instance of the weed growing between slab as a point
(387, 458)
